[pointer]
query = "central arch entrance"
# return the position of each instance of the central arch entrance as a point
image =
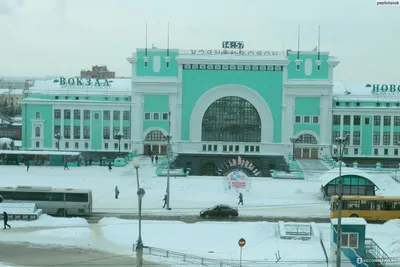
(155, 143)
(306, 147)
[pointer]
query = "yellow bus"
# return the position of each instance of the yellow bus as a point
(371, 208)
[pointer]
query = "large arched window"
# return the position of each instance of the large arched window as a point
(155, 136)
(37, 131)
(231, 119)
(306, 139)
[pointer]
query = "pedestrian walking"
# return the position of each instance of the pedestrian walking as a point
(156, 159)
(165, 199)
(90, 161)
(5, 219)
(240, 199)
(66, 165)
(27, 165)
(116, 192)
(152, 159)
(109, 166)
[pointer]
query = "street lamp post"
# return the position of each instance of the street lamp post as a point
(341, 145)
(58, 137)
(293, 140)
(118, 136)
(168, 138)
(140, 193)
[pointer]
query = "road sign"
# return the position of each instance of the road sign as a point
(242, 242)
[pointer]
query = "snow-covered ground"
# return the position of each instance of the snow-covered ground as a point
(267, 196)
(216, 240)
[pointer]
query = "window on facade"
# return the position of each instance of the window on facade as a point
(67, 114)
(388, 104)
(347, 104)
(147, 116)
(336, 134)
(366, 121)
(77, 114)
(57, 114)
(348, 134)
(106, 115)
(57, 129)
(396, 152)
(397, 104)
(224, 148)
(386, 138)
(37, 144)
(156, 116)
(231, 119)
(385, 151)
(215, 147)
(337, 103)
(375, 151)
(37, 115)
(298, 119)
(204, 147)
(115, 145)
(396, 138)
(67, 132)
(346, 120)
(378, 104)
(377, 120)
(77, 132)
(386, 120)
(96, 116)
(126, 146)
(106, 132)
(356, 120)
(306, 139)
(127, 132)
(66, 145)
(306, 119)
(336, 119)
(105, 145)
(126, 116)
(116, 115)
(155, 135)
(76, 145)
(350, 240)
(86, 114)
(76, 97)
(356, 138)
(117, 99)
(315, 119)
(355, 151)
(396, 120)
(86, 132)
(116, 130)
(357, 104)
(165, 116)
(377, 138)
(37, 131)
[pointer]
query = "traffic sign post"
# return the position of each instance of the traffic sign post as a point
(241, 243)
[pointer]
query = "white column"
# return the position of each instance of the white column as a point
(178, 106)
(381, 133)
(325, 121)
(392, 130)
(173, 109)
(289, 119)
(351, 129)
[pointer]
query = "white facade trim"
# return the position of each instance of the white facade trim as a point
(309, 132)
(147, 131)
(238, 90)
(237, 61)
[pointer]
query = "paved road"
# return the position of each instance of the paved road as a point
(22, 254)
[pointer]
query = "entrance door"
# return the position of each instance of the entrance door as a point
(297, 153)
(155, 149)
(163, 150)
(306, 153)
(314, 153)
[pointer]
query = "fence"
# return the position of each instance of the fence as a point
(151, 251)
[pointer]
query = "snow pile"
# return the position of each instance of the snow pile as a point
(5, 143)
(50, 222)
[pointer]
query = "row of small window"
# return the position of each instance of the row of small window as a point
(376, 139)
(126, 132)
(378, 104)
(86, 114)
(155, 116)
(307, 119)
(66, 145)
(231, 148)
(87, 98)
(356, 151)
(387, 120)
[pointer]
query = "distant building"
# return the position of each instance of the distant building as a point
(98, 72)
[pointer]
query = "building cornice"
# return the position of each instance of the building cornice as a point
(236, 61)
(132, 60)
(72, 102)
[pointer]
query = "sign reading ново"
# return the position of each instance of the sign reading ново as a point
(384, 88)
(81, 82)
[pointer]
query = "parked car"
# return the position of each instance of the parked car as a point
(219, 211)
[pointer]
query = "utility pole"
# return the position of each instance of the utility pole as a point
(341, 144)
(168, 158)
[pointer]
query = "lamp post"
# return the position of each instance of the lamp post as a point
(118, 136)
(168, 138)
(58, 137)
(341, 145)
(140, 193)
(293, 140)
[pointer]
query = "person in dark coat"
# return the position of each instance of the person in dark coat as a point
(156, 159)
(152, 159)
(165, 199)
(240, 199)
(27, 165)
(5, 219)
(90, 162)
(109, 166)
(116, 192)
(86, 162)
(66, 165)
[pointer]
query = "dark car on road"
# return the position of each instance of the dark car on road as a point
(219, 211)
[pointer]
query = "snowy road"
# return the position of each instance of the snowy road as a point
(27, 255)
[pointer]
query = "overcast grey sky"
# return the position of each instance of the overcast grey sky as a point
(61, 37)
